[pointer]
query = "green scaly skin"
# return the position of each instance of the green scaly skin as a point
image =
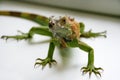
(44, 30)
(42, 20)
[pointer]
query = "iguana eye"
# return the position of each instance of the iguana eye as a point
(51, 25)
(64, 20)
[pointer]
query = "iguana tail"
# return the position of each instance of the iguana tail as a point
(42, 20)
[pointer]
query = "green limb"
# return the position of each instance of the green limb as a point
(29, 35)
(17, 37)
(90, 66)
(82, 27)
(49, 59)
(40, 30)
(90, 34)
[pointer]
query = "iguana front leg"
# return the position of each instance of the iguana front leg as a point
(90, 65)
(34, 30)
(49, 59)
(90, 68)
(89, 34)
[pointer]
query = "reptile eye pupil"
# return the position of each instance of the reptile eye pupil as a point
(64, 20)
(50, 25)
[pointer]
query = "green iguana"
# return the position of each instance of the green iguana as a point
(64, 31)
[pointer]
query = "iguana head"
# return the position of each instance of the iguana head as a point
(64, 27)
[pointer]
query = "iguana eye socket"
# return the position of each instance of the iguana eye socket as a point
(64, 20)
(51, 25)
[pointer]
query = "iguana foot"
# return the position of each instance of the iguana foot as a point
(90, 34)
(44, 62)
(17, 37)
(90, 69)
(100, 34)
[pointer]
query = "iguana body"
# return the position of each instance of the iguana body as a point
(64, 32)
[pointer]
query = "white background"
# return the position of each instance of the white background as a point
(17, 58)
(101, 6)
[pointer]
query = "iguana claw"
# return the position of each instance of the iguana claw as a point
(44, 62)
(90, 70)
